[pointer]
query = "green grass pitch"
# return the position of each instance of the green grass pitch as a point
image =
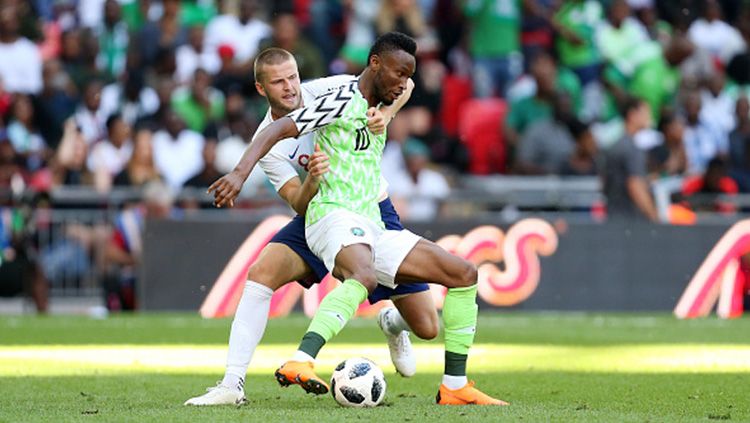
(550, 366)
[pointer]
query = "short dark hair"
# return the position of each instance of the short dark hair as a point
(393, 41)
(577, 128)
(666, 119)
(111, 120)
(630, 104)
(269, 56)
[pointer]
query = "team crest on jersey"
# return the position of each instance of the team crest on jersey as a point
(356, 231)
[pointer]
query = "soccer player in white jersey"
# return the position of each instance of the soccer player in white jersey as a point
(286, 257)
(343, 226)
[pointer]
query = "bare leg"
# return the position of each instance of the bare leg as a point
(419, 311)
(428, 261)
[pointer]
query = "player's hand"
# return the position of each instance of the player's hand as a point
(376, 122)
(318, 164)
(226, 189)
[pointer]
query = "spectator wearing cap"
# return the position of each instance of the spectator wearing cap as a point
(178, 152)
(419, 190)
(200, 104)
(21, 63)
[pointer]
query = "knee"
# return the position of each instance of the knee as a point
(367, 278)
(467, 275)
(264, 274)
(427, 329)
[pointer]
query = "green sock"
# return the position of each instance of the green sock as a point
(335, 310)
(460, 321)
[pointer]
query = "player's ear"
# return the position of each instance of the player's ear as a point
(375, 62)
(260, 89)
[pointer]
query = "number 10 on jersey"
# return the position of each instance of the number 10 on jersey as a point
(363, 139)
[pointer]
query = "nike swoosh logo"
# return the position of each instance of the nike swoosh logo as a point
(291, 156)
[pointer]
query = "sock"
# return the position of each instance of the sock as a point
(302, 356)
(248, 326)
(394, 323)
(335, 310)
(454, 382)
(460, 320)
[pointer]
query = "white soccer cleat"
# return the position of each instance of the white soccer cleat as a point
(219, 395)
(402, 354)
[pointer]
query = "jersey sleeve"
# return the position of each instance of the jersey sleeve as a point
(277, 168)
(325, 110)
(321, 86)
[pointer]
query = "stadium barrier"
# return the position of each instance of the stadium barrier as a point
(614, 266)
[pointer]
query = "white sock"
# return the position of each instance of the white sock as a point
(394, 322)
(247, 329)
(454, 382)
(302, 356)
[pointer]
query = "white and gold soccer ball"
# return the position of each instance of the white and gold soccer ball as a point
(358, 382)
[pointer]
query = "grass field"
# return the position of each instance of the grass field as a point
(551, 367)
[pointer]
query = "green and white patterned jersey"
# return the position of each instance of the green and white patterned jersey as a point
(339, 120)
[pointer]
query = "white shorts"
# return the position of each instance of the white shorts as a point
(342, 228)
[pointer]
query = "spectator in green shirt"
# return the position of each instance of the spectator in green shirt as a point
(494, 28)
(113, 40)
(199, 104)
(528, 110)
(576, 22)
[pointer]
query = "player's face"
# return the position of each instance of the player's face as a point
(392, 70)
(281, 87)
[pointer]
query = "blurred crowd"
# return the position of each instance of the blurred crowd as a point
(105, 93)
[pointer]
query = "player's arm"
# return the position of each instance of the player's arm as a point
(639, 193)
(298, 194)
(323, 111)
(228, 187)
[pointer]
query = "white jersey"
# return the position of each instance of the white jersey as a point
(290, 156)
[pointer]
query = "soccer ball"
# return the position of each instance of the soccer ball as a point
(358, 382)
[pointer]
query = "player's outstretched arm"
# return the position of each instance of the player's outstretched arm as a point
(228, 187)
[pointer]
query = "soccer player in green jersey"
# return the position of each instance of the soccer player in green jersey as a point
(344, 229)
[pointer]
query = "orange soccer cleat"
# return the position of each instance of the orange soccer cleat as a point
(301, 373)
(468, 395)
